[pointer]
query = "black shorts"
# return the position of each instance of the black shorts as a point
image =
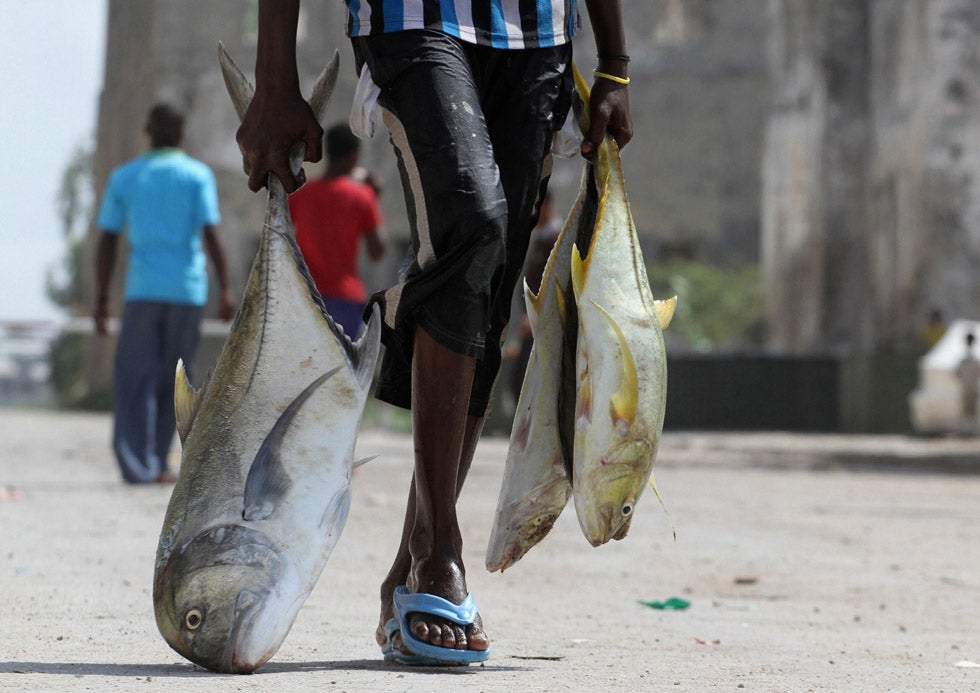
(472, 129)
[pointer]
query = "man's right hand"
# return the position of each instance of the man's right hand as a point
(273, 124)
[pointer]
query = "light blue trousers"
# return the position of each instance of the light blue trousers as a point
(153, 336)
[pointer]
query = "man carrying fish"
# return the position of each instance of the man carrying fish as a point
(472, 92)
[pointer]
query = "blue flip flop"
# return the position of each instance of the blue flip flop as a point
(391, 654)
(423, 653)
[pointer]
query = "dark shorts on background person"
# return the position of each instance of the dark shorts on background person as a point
(472, 128)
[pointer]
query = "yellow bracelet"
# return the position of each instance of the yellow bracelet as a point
(611, 78)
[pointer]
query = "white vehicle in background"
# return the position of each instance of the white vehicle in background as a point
(936, 404)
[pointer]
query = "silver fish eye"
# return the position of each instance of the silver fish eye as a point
(193, 619)
(627, 509)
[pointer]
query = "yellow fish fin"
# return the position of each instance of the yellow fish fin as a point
(186, 400)
(653, 485)
(584, 93)
(665, 311)
(624, 402)
(580, 270)
(580, 266)
(607, 163)
(562, 305)
(533, 304)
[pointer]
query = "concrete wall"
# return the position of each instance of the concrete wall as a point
(871, 193)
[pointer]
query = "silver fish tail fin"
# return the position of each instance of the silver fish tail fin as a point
(239, 88)
(323, 88)
(241, 91)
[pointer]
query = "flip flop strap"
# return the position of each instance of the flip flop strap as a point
(463, 614)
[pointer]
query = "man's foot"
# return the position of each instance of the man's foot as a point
(167, 477)
(426, 627)
(397, 576)
(447, 581)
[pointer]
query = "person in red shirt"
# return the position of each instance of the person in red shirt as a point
(331, 215)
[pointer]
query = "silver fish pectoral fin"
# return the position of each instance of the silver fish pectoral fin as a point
(267, 481)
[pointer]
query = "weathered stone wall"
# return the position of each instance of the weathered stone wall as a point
(870, 190)
(813, 171)
(699, 101)
(925, 174)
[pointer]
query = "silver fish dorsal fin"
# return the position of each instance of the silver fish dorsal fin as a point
(186, 401)
(368, 348)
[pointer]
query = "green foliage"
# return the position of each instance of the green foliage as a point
(716, 306)
(67, 358)
(76, 202)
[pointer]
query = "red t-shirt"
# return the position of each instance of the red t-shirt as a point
(330, 215)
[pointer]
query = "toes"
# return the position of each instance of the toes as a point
(449, 635)
(420, 629)
(476, 639)
(459, 637)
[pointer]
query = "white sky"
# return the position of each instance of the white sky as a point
(51, 53)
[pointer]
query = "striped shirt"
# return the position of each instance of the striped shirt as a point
(513, 24)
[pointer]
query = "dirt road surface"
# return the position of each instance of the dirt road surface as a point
(811, 563)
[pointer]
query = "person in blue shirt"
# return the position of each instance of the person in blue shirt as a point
(472, 93)
(166, 201)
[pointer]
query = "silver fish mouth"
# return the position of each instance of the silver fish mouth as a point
(247, 606)
(247, 566)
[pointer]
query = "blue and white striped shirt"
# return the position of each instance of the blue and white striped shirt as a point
(512, 24)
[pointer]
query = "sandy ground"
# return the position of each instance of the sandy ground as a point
(811, 563)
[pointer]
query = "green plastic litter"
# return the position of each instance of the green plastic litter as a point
(672, 604)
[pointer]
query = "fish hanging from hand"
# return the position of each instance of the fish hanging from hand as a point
(590, 413)
(268, 444)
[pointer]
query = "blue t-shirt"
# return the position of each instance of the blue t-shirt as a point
(511, 24)
(163, 199)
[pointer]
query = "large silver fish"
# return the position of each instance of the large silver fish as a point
(268, 444)
(621, 365)
(537, 474)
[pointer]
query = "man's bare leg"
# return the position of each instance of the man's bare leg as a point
(429, 556)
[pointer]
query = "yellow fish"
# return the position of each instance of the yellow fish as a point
(621, 364)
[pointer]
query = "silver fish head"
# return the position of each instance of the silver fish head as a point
(616, 483)
(222, 599)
